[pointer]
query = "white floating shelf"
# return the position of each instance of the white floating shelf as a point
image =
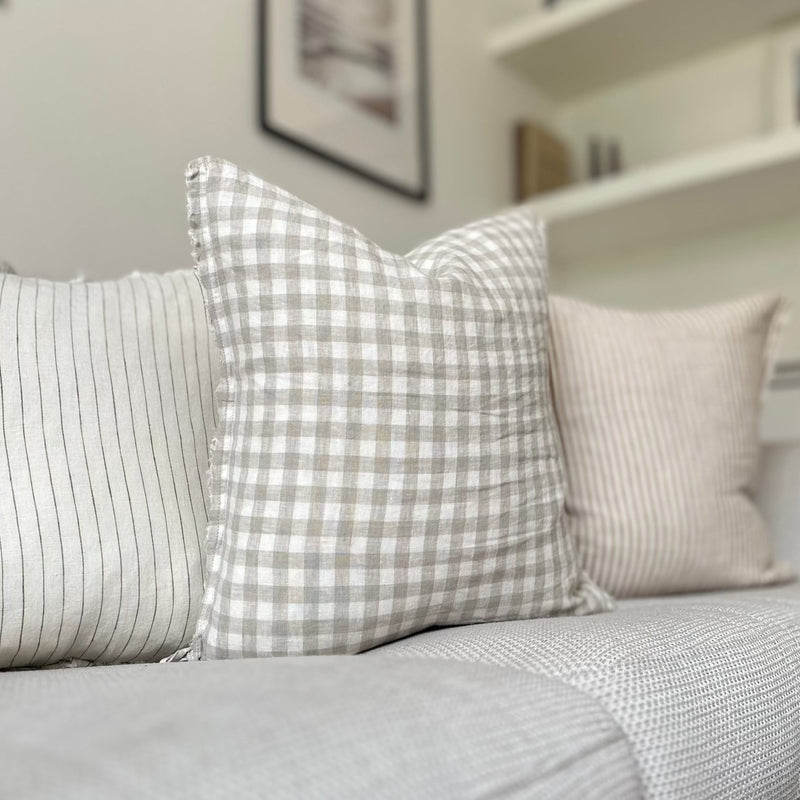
(587, 44)
(746, 183)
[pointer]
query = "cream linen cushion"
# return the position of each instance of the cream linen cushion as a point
(106, 410)
(658, 414)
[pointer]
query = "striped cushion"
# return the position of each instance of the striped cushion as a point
(106, 403)
(386, 458)
(659, 422)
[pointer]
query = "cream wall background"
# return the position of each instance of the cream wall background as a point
(708, 102)
(716, 98)
(103, 102)
(719, 98)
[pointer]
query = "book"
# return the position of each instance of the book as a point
(542, 161)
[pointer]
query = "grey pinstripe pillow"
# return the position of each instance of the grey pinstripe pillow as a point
(105, 408)
(386, 459)
(659, 422)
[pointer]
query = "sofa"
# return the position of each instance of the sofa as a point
(685, 696)
(322, 521)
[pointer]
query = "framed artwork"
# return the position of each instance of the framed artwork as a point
(346, 80)
(786, 78)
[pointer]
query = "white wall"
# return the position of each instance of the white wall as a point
(103, 103)
(719, 98)
(702, 270)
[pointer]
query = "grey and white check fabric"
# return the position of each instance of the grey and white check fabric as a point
(386, 458)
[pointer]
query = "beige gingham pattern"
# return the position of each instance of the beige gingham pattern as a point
(386, 459)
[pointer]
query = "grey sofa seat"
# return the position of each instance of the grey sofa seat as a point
(691, 697)
(681, 697)
(326, 727)
(705, 687)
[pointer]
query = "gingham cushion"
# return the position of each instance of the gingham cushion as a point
(386, 457)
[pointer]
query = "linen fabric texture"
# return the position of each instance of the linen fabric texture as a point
(386, 458)
(106, 408)
(704, 686)
(378, 729)
(658, 413)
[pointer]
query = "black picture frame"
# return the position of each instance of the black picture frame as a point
(420, 189)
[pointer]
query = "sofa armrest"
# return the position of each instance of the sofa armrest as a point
(778, 496)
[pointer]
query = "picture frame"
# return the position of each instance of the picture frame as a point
(346, 80)
(786, 78)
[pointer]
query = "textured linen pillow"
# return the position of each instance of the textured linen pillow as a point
(658, 415)
(386, 458)
(106, 405)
